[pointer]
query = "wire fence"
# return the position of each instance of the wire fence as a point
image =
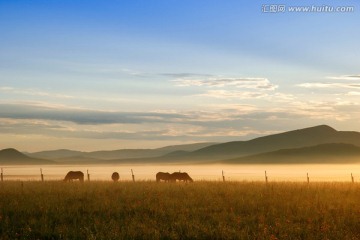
(147, 173)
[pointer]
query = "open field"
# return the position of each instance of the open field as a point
(201, 210)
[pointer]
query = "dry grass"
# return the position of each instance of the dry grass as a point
(201, 210)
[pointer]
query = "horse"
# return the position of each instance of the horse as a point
(73, 175)
(115, 176)
(163, 176)
(181, 176)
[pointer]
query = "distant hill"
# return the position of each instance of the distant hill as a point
(313, 141)
(11, 156)
(64, 155)
(293, 139)
(323, 153)
(55, 154)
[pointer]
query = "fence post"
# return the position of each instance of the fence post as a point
(2, 175)
(352, 178)
(132, 174)
(88, 175)
(41, 175)
(223, 177)
(307, 177)
(266, 177)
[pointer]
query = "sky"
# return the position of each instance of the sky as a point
(100, 75)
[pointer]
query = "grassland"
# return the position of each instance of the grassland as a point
(201, 210)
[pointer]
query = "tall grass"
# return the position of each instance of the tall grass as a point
(201, 210)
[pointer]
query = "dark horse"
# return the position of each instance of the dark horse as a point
(73, 175)
(115, 176)
(181, 176)
(163, 176)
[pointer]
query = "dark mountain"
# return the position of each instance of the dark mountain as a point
(314, 141)
(11, 156)
(323, 153)
(186, 147)
(55, 154)
(293, 139)
(145, 153)
(174, 154)
(64, 155)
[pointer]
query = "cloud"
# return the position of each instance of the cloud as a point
(329, 85)
(247, 83)
(82, 116)
(353, 93)
(168, 132)
(40, 93)
(345, 77)
(185, 75)
(58, 131)
(339, 84)
(325, 110)
(33, 92)
(233, 94)
(217, 122)
(226, 94)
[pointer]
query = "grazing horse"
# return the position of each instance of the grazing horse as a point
(73, 175)
(163, 176)
(115, 176)
(181, 176)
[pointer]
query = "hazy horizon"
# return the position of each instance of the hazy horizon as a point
(104, 75)
(212, 172)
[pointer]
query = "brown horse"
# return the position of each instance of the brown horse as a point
(163, 176)
(73, 175)
(181, 176)
(115, 176)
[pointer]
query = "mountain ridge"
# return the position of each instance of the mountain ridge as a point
(65, 154)
(322, 153)
(11, 156)
(211, 152)
(291, 139)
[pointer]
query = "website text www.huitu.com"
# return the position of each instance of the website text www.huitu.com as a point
(282, 8)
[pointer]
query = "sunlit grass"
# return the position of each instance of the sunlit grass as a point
(201, 210)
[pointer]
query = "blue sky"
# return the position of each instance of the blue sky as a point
(94, 75)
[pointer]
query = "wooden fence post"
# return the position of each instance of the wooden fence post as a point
(88, 175)
(307, 177)
(352, 178)
(266, 177)
(223, 177)
(132, 174)
(41, 175)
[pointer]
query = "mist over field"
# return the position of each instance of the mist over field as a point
(213, 172)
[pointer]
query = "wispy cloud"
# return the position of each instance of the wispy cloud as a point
(233, 94)
(185, 75)
(228, 94)
(353, 93)
(82, 116)
(51, 95)
(325, 110)
(34, 92)
(329, 85)
(170, 132)
(344, 81)
(247, 83)
(346, 77)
